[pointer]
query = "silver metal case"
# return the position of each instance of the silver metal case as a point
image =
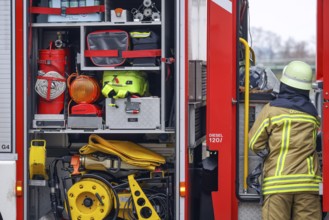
(84, 122)
(49, 121)
(141, 113)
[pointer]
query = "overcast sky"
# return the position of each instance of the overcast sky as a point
(287, 18)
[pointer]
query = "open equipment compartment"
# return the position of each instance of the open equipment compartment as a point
(55, 164)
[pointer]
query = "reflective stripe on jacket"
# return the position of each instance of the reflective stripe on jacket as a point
(292, 164)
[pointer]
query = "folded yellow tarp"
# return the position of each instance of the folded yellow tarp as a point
(127, 151)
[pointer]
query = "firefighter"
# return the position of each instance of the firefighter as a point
(287, 129)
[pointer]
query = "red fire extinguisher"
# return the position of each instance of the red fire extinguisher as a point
(51, 80)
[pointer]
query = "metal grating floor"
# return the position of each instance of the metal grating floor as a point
(250, 211)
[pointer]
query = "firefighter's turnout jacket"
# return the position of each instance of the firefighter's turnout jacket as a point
(292, 164)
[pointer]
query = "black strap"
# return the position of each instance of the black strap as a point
(261, 198)
(253, 180)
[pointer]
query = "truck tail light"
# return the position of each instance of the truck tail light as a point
(182, 189)
(19, 188)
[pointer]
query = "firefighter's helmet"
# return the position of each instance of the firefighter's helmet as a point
(297, 74)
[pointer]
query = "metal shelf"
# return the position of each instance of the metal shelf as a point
(94, 68)
(93, 24)
(64, 24)
(130, 23)
(99, 131)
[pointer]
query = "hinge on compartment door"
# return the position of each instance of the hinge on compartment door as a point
(190, 155)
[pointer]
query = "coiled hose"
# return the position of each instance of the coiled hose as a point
(56, 81)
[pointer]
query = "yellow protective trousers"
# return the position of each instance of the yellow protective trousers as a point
(302, 206)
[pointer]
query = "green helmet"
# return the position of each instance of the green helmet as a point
(297, 74)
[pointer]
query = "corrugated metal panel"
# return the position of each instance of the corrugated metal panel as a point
(5, 77)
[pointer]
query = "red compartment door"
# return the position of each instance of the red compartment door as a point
(322, 71)
(221, 108)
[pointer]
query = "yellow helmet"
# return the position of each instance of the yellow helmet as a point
(297, 74)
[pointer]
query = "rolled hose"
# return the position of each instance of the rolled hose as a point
(57, 86)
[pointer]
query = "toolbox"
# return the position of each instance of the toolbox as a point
(134, 113)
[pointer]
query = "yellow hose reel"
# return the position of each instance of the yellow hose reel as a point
(90, 199)
(37, 160)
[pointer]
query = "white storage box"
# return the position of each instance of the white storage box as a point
(74, 18)
(140, 113)
(120, 16)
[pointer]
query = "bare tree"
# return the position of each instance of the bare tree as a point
(269, 46)
(265, 43)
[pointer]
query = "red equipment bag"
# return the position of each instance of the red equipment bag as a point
(111, 48)
(105, 47)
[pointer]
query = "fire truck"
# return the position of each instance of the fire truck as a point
(120, 109)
